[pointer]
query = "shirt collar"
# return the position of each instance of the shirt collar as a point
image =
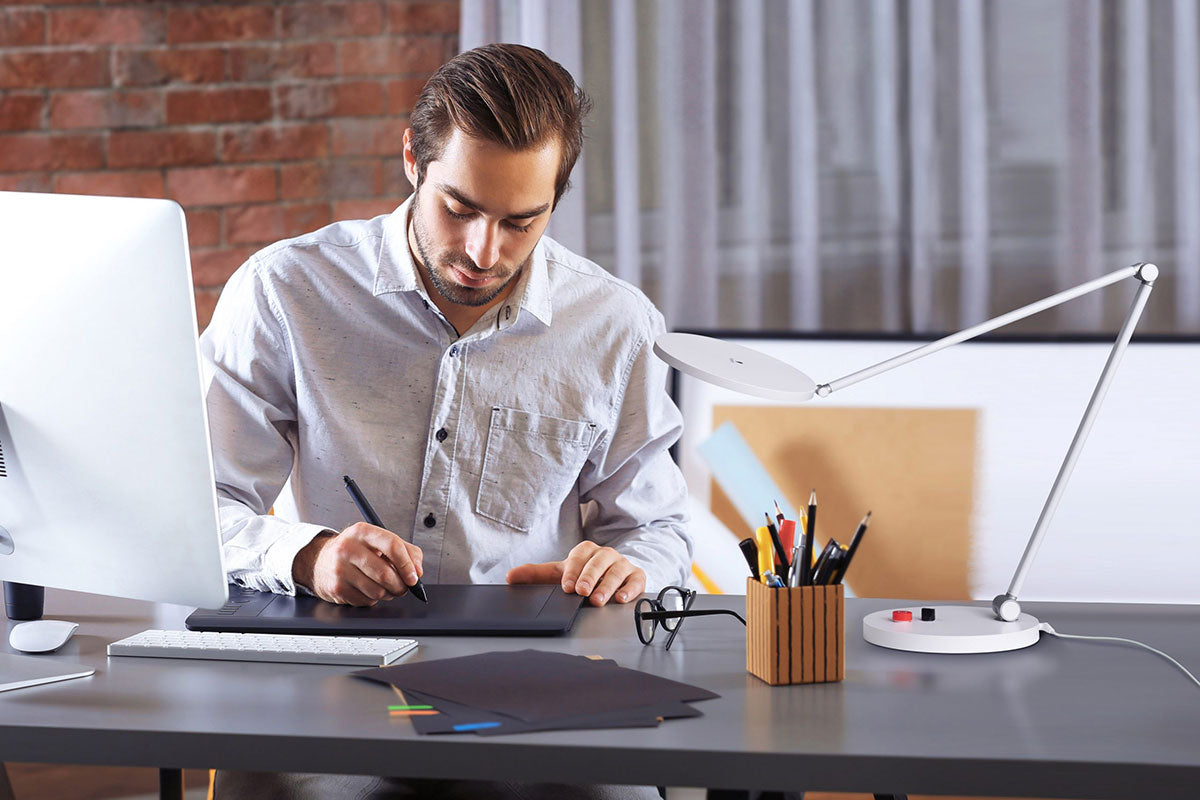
(534, 291)
(397, 272)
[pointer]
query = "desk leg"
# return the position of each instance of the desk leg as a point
(6, 790)
(170, 784)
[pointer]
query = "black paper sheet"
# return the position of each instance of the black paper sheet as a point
(453, 715)
(527, 690)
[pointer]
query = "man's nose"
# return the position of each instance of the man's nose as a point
(483, 244)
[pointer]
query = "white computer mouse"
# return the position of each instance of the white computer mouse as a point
(41, 635)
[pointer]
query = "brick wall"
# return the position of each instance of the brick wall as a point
(262, 119)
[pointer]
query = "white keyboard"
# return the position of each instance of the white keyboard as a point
(350, 650)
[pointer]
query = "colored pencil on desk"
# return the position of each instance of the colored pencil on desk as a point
(778, 512)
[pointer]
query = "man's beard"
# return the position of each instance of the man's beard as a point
(437, 269)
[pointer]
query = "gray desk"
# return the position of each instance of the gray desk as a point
(1061, 719)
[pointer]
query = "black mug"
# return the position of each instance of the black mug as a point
(23, 601)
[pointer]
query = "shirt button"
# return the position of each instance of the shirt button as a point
(430, 521)
(442, 434)
(454, 351)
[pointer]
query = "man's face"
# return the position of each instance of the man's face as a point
(478, 214)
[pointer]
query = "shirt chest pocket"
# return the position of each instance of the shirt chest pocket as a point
(530, 464)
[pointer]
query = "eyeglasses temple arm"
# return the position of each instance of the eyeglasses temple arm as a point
(660, 615)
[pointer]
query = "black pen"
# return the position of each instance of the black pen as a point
(750, 551)
(838, 566)
(364, 507)
(783, 556)
(823, 571)
(858, 534)
(810, 529)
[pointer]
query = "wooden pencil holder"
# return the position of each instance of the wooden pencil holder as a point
(795, 635)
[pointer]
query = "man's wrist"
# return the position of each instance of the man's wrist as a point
(306, 559)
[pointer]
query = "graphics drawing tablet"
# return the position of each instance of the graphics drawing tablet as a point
(462, 609)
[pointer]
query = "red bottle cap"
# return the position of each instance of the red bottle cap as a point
(901, 616)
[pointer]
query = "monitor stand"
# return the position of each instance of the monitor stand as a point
(23, 601)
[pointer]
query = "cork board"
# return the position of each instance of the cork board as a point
(913, 468)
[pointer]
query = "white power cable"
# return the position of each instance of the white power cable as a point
(1045, 627)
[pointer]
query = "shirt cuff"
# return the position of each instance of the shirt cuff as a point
(277, 563)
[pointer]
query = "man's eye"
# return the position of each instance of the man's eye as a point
(519, 228)
(456, 215)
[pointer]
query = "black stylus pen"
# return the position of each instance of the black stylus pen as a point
(364, 507)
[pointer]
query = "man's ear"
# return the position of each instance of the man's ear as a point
(410, 160)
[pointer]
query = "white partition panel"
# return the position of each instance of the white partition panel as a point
(1125, 530)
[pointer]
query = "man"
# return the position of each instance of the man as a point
(493, 394)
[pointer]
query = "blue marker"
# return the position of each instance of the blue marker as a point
(474, 726)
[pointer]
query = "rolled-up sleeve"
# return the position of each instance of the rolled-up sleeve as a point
(638, 492)
(250, 395)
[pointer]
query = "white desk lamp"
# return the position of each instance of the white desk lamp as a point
(957, 629)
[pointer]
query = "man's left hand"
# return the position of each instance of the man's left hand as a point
(589, 570)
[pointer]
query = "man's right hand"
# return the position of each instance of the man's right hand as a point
(359, 566)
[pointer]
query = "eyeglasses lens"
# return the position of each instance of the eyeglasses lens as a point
(645, 627)
(672, 600)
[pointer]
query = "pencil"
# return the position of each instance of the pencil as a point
(778, 512)
(364, 507)
(779, 551)
(858, 534)
(806, 577)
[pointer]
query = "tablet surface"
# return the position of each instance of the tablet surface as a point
(464, 609)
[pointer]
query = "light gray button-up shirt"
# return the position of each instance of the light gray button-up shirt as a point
(545, 424)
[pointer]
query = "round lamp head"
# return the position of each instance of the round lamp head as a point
(732, 366)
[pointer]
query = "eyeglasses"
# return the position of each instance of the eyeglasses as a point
(672, 605)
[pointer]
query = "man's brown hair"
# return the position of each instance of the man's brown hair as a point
(509, 94)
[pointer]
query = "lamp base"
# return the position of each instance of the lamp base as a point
(955, 629)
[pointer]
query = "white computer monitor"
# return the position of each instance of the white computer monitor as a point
(106, 477)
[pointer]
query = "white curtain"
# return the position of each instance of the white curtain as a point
(876, 164)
